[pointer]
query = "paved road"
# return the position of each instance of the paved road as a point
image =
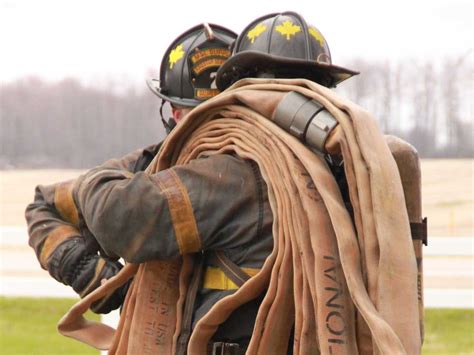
(448, 271)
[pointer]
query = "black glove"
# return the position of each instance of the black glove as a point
(91, 244)
(73, 265)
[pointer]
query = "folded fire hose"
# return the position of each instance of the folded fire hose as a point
(343, 286)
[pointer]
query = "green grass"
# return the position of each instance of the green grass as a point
(28, 326)
(449, 331)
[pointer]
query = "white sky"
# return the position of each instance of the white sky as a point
(101, 40)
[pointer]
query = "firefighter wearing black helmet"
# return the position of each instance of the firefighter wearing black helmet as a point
(228, 225)
(281, 45)
(189, 67)
(63, 244)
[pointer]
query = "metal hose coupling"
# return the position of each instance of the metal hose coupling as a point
(305, 119)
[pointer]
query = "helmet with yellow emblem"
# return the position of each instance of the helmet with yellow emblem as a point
(281, 45)
(189, 66)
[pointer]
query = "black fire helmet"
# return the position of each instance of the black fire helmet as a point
(281, 45)
(189, 66)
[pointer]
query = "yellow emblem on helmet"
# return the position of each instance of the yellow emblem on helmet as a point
(288, 29)
(317, 35)
(256, 31)
(175, 55)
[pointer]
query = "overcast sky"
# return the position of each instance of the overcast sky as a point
(95, 40)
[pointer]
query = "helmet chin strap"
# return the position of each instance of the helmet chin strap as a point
(168, 124)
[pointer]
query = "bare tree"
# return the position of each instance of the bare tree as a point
(459, 131)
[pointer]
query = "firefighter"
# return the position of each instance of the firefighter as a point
(215, 208)
(62, 242)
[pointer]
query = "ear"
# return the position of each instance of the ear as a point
(177, 114)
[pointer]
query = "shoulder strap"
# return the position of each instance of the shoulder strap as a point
(230, 269)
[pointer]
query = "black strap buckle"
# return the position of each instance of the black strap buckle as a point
(221, 348)
(419, 231)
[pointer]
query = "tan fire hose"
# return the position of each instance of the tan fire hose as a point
(345, 287)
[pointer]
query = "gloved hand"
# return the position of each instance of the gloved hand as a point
(73, 265)
(89, 274)
(91, 244)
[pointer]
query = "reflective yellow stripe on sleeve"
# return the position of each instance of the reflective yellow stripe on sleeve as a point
(181, 211)
(215, 279)
(64, 203)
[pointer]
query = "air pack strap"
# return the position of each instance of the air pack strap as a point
(228, 275)
(419, 231)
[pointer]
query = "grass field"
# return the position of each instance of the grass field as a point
(28, 326)
(449, 331)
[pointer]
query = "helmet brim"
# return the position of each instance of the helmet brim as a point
(154, 86)
(255, 61)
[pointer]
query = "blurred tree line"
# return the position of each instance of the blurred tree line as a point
(69, 125)
(429, 104)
